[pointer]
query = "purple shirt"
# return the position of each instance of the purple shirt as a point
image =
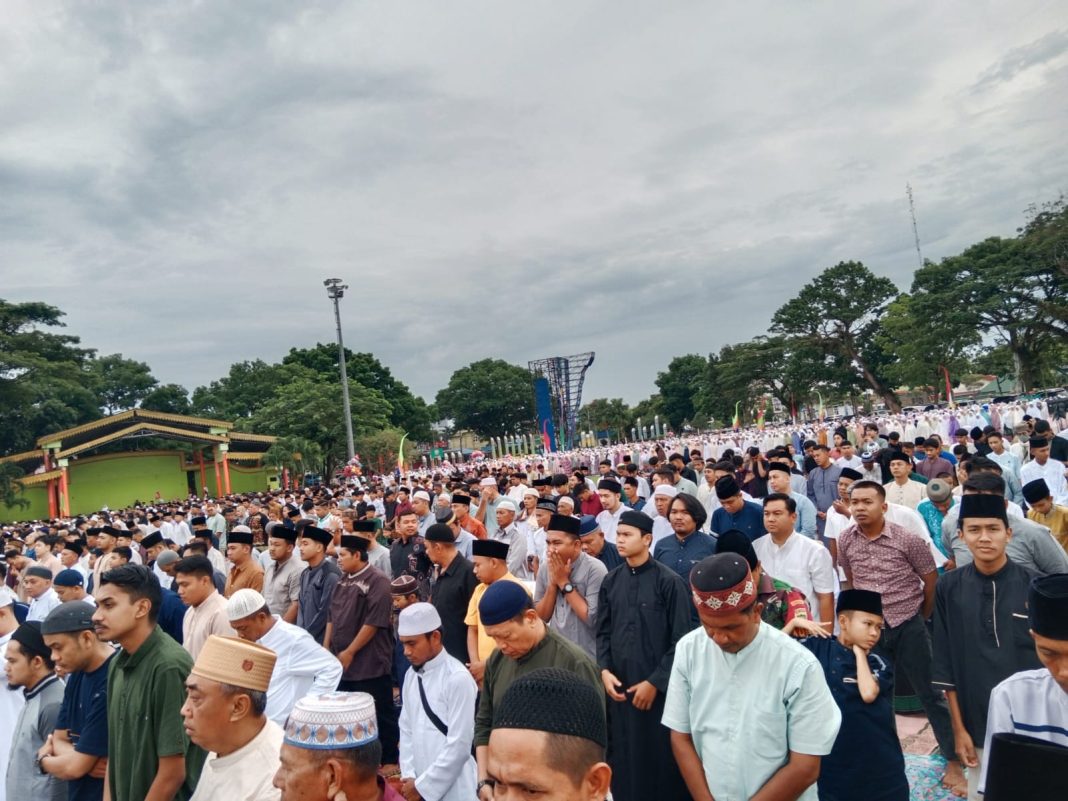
(930, 468)
(892, 565)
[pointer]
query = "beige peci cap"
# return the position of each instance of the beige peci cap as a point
(229, 660)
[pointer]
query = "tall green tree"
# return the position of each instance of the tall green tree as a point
(679, 386)
(45, 381)
(490, 397)
(991, 287)
(379, 449)
(838, 313)
(170, 398)
(297, 455)
(247, 387)
(410, 412)
(121, 383)
(602, 414)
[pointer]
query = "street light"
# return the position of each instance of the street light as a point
(335, 290)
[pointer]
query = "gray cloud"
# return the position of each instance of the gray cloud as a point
(507, 180)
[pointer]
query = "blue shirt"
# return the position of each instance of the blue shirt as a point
(749, 520)
(84, 714)
(867, 752)
(682, 555)
(171, 614)
(806, 516)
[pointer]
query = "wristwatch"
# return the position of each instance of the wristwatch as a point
(480, 785)
(569, 587)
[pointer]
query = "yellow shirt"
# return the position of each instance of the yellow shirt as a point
(1056, 521)
(485, 642)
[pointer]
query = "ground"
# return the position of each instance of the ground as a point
(924, 768)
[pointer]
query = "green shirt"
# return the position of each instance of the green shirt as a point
(501, 671)
(146, 691)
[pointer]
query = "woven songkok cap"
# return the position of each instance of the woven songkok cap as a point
(556, 701)
(229, 660)
(332, 720)
(722, 585)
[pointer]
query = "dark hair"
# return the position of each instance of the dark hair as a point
(630, 481)
(994, 433)
(257, 700)
(694, 508)
(125, 552)
(667, 472)
(138, 582)
(980, 464)
(573, 756)
(791, 504)
(364, 759)
(931, 442)
(195, 566)
(822, 448)
(865, 484)
(989, 483)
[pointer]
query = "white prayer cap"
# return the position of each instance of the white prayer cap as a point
(488, 482)
(422, 495)
(7, 597)
(506, 504)
(565, 499)
(418, 618)
(666, 490)
(244, 603)
(241, 530)
(531, 491)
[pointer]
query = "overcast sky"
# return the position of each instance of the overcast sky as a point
(502, 179)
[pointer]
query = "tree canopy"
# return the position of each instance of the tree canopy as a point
(490, 397)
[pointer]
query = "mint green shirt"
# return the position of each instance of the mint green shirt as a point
(747, 711)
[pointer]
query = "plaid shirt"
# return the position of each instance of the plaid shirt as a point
(893, 565)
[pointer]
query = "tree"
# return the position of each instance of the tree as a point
(679, 384)
(121, 383)
(613, 416)
(379, 449)
(490, 397)
(647, 410)
(45, 382)
(10, 491)
(310, 409)
(992, 287)
(170, 398)
(838, 313)
(923, 345)
(410, 413)
(297, 455)
(247, 386)
(1045, 242)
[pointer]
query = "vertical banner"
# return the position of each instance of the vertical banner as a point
(544, 407)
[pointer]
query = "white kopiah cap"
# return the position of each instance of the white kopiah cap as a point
(244, 603)
(418, 618)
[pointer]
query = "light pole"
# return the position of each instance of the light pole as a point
(335, 290)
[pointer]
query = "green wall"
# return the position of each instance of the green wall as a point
(37, 510)
(119, 479)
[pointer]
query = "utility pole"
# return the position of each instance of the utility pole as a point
(915, 230)
(335, 290)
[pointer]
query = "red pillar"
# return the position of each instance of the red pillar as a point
(53, 506)
(226, 473)
(218, 478)
(64, 493)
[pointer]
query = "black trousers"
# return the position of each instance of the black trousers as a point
(381, 690)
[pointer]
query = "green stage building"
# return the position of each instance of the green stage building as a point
(63, 477)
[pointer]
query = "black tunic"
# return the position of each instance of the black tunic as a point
(642, 614)
(450, 594)
(981, 637)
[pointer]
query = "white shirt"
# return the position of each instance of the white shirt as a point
(661, 528)
(1029, 702)
(11, 702)
(42, 605)
(303, 668)
(245, 775)
(1053, 472)
(607, 521)
(908, 494)
(441, 765)
(801, 562)
(853, 461)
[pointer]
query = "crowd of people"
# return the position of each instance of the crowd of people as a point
(720, 616)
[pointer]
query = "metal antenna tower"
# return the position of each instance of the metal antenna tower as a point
(915, 230)
(566, 375)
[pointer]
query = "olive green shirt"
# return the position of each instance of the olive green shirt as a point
(501, 671)
(146, 691)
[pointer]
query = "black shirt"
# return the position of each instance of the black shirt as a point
(981, 636)
(609, 555)
(450, 593)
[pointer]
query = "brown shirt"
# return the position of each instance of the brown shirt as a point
(361, 599)
(893, 565)
(248, 575)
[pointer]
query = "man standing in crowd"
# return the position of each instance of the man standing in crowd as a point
(549, 735)
(359, 632)
(28, 665)
(508, 532)
(149, 755)
(317, 582)
(246, 571)
(1046, 468)
(1044, 511)
(451, 589)
(281, 576)
(78, 748)
(567, 589)
(461, 507)
(206, 614)
(934, 464)
(688, 545)
(748, 707)
(823, 484)
(635, 649)
(524, 644)
(437, 731)
(736, 513)
(791, 557)
(980, 627)
(223, 713)
(594, 542)
(11, 699)
(490, 565)
(610, 491)
(779, 482)
(883, 557)
(302, 666)
(407, 553)
(902, 490)
(37, 579)
(489, 499)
